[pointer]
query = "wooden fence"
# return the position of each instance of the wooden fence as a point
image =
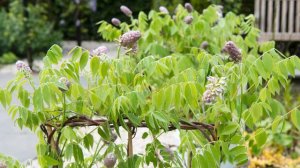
(278, 19)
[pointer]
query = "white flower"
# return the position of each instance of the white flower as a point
(214, 88)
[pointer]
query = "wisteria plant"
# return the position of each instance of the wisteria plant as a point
(204, 75)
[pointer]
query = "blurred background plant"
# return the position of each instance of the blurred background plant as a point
(76, 20)
(26, 31)
(63, 13)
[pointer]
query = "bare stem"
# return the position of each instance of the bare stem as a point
(118, 51)
(129, 143)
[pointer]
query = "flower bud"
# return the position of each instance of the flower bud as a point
(163, 10)
(110, 160)
(65, 83)
(188, 19)
(130, 38)
(234, 52)
(115, 21)
(188, 7)
(126, 10)
(102, 50)
(25, 69)
(204, 45)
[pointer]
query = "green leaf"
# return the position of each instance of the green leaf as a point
(84, 59)
(57, 50)
(77, 153)
(69, 133)
(77, 52)
(104, 133)
(88, 141)
(228, 128)
(2, 98)
(52, 57)
(38, 100)
(191, 96)
(241, 159)
(145, 135)
(268, 62)
(275, 123)
(133, 118)
(160, 116)
(295, 117)
(95, 64)
(261, 137)
(256, 111)
(263, 94)
(68, 152)
(49, 161)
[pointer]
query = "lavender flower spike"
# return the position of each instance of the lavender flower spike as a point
(130, 38)
(102, 50)
(188, 19)
(25, 69)
(233, 51)
(126, 10)
(214, 88)
(115, 21)
(188, 7)
(20, 65)
(163, 10)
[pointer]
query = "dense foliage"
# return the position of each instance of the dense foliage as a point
(20, 33)
(190, 70)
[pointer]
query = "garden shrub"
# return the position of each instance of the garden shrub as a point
(206, 76)
(19, 34)
(90, 11)
(8, 58)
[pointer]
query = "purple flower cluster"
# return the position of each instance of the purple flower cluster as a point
(188, 7)
(188, 19)
(25, 69)
(126, 10)
(110, 160)
(233, 51)
(163, 10)
(215, 88)
(130, 38)
(102, 50)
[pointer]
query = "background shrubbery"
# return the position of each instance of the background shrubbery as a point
(25, 31)
(62, 13)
